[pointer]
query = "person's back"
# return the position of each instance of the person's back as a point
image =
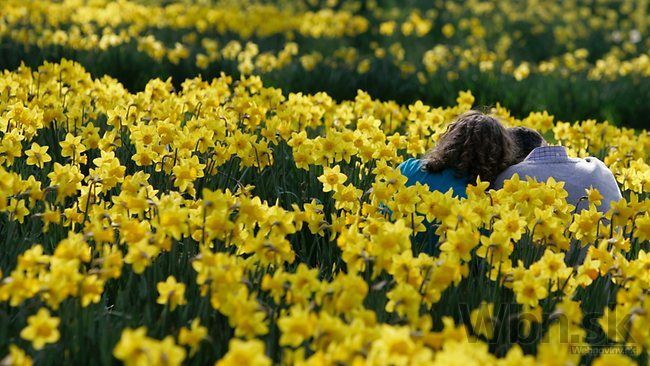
(474, 145)
(577, 174)
(441, 181)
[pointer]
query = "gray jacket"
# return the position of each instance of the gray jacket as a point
(577, 174)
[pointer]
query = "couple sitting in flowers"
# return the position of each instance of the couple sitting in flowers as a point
(476, 145)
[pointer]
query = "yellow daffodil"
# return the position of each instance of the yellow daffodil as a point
(37, 155)
(332, 178)
(41, 329)
(171, 292)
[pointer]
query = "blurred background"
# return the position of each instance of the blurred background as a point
(578, 60)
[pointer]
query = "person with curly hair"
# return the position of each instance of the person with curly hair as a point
(475, 145)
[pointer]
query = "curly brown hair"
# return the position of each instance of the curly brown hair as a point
(474, 145)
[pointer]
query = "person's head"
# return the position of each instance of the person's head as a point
(526, 140)
(474, 145)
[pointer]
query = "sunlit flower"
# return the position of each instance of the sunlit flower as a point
(171, 292)
(41, 329)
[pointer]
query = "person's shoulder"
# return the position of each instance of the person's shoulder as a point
(409, 165)
(452, 176)
(592, 164)
(514, 169)
(520, 168)
(593, 160)
(600, 176)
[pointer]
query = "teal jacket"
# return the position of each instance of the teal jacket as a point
(439, 181)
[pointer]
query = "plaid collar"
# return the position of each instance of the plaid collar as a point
(548, 154)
